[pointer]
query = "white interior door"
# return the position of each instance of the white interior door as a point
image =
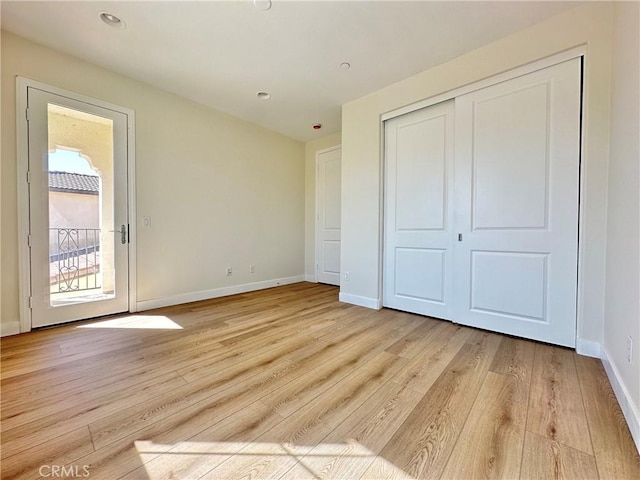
(77, 209)
(517, 165)
(329, 175)
(419, 212)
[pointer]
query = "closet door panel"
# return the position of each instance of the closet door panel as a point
(418, 211)
(517, 164)
(510, 159)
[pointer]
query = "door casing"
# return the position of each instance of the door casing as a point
(22, 148)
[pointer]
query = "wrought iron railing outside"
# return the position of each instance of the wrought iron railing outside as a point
(74, 259)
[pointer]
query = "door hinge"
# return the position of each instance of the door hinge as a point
(27, 114)
(28, 176)
(459, 237)
(30, 302)
(29, 240)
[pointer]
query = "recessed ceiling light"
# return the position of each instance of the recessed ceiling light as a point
(262, 4)
(345, 65)
(264, 95)
(112, 20)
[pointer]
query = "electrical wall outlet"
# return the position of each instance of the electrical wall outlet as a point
(629, 349)
(229, 271)
(252, 269)
(347, 276)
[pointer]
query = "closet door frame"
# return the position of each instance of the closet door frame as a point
(577, 52)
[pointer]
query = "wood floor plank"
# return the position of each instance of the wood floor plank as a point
(378, 418)
(201, 453)
(97, 402)
(381, 468)
(279, 449)
(63, 421)
(349, 450)
(196, 370)
(555, 411)
(340, 359)
(336, 402)
(290, 383)
(68, 375)
(515, 358)
(341, 318)
(423, 443)
(49, 389)
(269, 365)
(331, 461)
(258, 460)
(548, 459)
(258, 321)
(497, 422)
(122, 456)
(287, 362)
(412, 343)
(66, 449)
(355, 355)
(66, 357)
(440, 347)
(615, 453)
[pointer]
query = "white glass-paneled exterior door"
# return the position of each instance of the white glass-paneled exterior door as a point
(78, 204)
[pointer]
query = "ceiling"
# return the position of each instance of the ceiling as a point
(221, 54)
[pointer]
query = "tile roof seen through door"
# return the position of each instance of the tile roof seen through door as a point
(74, 183)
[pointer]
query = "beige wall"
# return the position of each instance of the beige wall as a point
(622, 301)
(73, 210)
(310, 150)
(588, 25)
(220, 191)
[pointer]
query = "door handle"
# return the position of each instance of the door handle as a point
(459, 237)
(123, 234)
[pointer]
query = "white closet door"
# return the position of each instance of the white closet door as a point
(517, 163)
(418, 211)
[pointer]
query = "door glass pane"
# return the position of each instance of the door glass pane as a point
(81, 190)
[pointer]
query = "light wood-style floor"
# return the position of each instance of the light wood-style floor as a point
(289, 383)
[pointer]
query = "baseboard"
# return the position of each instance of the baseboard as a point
(368, 302)
(310, 278)
(629, 410)
(588, 348)
(215, 293)
(9, 328)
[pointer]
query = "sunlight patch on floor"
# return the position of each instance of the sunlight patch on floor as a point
(260, 460)
(157, 322)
